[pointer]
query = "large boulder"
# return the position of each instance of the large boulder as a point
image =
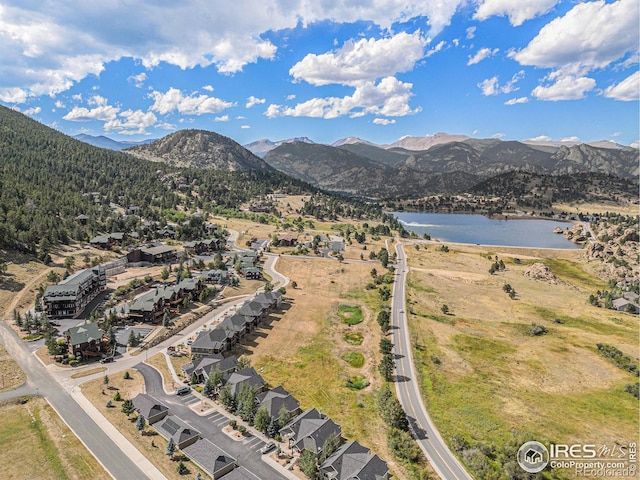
(539, 271)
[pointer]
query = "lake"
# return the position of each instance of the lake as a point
(473, 228)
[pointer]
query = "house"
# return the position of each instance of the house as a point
(245, 376)
(158, 255)
(253, 310)
(181, 433)
(85, 339)
(107, 241)
(277, 399)
(238, 325)
(203, 366)
(287, 239)
(210, 458)
(251, 273)
(269, 300)
(70, 297)
(309, 431)
(149, 307)
(211, 342)
(82, 218)
(352, 461)
(215, 276)
(150, 408)
(624, 305)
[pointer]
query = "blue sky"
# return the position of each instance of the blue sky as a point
(376, 69)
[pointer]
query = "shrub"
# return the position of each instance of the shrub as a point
(355, 359)
(242, 429)
(357, 383)
(633, 389)
(233, 424)
(537, 330)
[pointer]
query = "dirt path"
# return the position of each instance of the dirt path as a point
(18, 297)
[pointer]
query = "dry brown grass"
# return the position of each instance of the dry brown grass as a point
(87, 372)
(36, 443)
(246, 287)
(301, 348)
(98, 394)
(493, 375)
(11, 375)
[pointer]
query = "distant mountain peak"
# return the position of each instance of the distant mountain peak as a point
(351, 141)
(200, 149)
(263, 146)
(409, 142)
(108, 143)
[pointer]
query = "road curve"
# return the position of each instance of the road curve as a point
(408, 389)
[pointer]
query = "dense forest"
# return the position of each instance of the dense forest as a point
(48, 179)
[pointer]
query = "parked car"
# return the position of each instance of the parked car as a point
(183, 390)
(107, 360)
(267, 448)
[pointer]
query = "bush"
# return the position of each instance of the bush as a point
(537, 330)
(242, 429)
(357, 383)
(233, 424)
(402, 445)
(633, 389)
(182, 468)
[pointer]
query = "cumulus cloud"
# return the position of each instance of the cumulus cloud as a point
(59, 104)
(362, 60)
(32, 111)
(628, 90)
(384, 121)
(208, 88)
(49, 46)
(291, 97)
(481, 55)
(244, 127)
(499, 135)
(471, 32)
(102, 111)
(174, 100)
(131, 122)
(138, 80)
(491, 86)
(251, 101)
(435, 49)
(221, 118)
(570, 139)
(565, 87)
(390, 98)
(540, 138)
(515, 101)
(517, 11)
(590, 35)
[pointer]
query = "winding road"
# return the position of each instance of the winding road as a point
(407, 385)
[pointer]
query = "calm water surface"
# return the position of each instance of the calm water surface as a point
(473, 228)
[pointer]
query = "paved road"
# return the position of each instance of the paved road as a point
(246, 452)
(408, 390)
(40, 381)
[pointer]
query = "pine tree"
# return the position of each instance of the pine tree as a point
(140, 423)
(171, 448)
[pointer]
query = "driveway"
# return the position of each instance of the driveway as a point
(246, 452)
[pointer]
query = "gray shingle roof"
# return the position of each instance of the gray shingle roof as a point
(85, 333)
(148, 406)
(245, 376)
(172, 427)
(275, 398)
(209, 457)
(353, 461)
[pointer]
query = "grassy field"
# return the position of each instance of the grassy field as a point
(303, 349)
(36, 443)
(151, 445)
(484, 375)
(11, 375)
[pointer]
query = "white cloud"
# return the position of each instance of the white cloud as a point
(390, 97)
(208, 88)
(222, 118)
(435, 49)
(131, 122)
(138, 80)
(48, 46)
(384, 121)
(97, 100)
(590, 35)
(565, 88)
(101, 112)
(491, 86)
(499, 135)
(539, 138)
(240, 117)
(244, 127)
(635, 144)
(13, 95)
(174, 100)
(291, 97)
(59, 104)
(518, 11)
(251, 101)
(32, 111)
(628, 90)
(515, 101)
(616, 134)
(362, 60)
(570, 139)
(471, 32)
(481, 55)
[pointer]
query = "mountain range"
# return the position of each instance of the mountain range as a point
(108, 143)
(411, 167)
